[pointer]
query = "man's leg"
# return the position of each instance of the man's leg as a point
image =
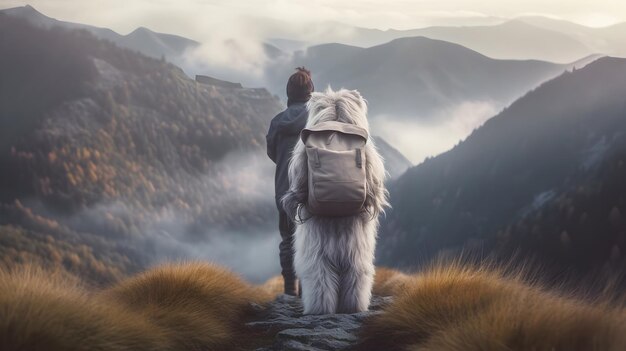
(287, 228)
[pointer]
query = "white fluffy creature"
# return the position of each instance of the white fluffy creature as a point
(334, 256)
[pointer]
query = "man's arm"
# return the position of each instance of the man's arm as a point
(270, 139)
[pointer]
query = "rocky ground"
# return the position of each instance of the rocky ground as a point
(295, 332)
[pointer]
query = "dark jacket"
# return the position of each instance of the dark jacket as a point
(281, 139)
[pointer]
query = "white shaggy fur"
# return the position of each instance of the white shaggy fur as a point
(334, 256)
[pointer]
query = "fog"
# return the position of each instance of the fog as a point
(253, 254)
(230, 49)
(250, 175)
(162, 236)
(165, 233)
(250, 250)
(419, 140)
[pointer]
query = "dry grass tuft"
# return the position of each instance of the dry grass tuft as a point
(41, 310)
(466, 308)
(388, 282)
(199, 305)
(193, 306)
(273, 286)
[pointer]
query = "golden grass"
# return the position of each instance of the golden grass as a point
(388, 282)
(192, 306)
(273, 286)
(452, 307)
(200, 306)
(49, 311)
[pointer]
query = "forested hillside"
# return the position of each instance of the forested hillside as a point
(545, 176)
(114, 144)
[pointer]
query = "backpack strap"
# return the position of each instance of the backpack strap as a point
(317, 159)
(336, 126)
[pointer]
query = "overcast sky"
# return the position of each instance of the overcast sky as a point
(193, 17)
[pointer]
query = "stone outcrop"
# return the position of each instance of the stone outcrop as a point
(294, 331)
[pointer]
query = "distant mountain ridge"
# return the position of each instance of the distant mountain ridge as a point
(416, 76)
(512, 40)
(539, 38)
(142, 39)
(525, 37)
(609, 40)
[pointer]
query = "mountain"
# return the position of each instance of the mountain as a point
(290, 36)
(109, 147)
(512, 40)
(609, 40)
(415, 77)
(144, 40)
(545, 176)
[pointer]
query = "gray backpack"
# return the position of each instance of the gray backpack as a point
(336, 164)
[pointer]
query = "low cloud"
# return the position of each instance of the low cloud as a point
(232, 54)
(418, 140)
(241, 188)
(252, 254)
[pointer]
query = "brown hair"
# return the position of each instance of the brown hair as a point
(299, 86)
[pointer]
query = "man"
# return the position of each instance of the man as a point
(281, 138)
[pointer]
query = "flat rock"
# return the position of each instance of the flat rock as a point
(294, 331)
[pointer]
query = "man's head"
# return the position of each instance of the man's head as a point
(299, 86)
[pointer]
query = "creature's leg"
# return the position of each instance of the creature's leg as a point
(357, 276)
(355, 290)
(318, 277)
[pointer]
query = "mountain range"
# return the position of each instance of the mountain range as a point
(402, 74)
(173, 48)
(525, 37)
(110, 147)
(114, 149)
(416, 76)
(142, 39)
(417, 87)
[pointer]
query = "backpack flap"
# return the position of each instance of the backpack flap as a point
(336, 126)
